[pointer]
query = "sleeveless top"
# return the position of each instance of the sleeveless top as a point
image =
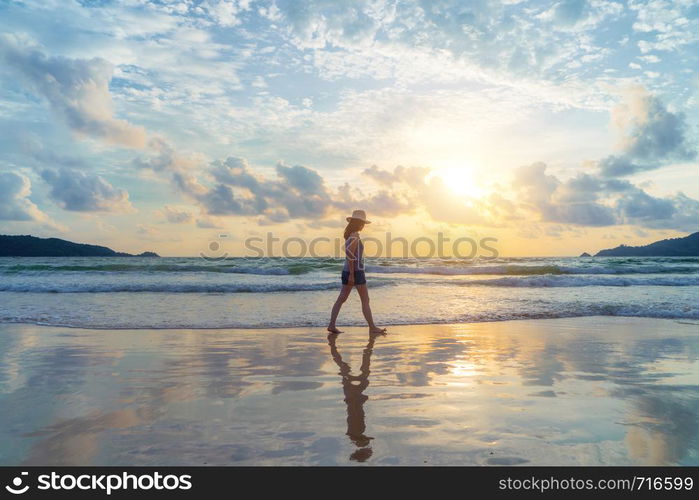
(359, 262)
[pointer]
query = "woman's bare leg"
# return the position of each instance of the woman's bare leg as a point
(366, 309)
(344, 293)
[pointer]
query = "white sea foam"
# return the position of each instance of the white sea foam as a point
(87, 287)
(525, 270)
(581, 281)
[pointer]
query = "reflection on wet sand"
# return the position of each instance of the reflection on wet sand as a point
(353, 387)
(571, 391)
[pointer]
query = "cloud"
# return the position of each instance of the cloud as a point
(570, 11)
(639, 207)
(302, 179)
(209, 223)
(620, 166)
(664, 26)
(411, 176)
(315, 23)
(571, 202)
(655, 133)
(164, 159)
(80, 192)
(298, 192)
(14, 199)
(678, 212)
(591, 200)
(221, 200)
(235, 171)
(77, 90)
(651, 135)
(489, 39)
(444, 206)
(230, 187)
(224, 13)
(301, 193)
(534, 184)
(686, 213)
(406, 190)
(148, 231)
(175, 215)
(33, 146)
(582, 214)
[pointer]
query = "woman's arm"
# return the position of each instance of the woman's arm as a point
(351, 255)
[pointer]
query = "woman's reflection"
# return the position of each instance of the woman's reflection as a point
(353, 386)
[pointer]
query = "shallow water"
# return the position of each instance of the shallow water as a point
(565, 391)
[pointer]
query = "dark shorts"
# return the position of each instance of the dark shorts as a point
(359, 278)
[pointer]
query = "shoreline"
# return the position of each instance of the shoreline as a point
(233, 329)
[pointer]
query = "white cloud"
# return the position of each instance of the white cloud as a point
(15, 205)
(224, 12)
(76, 191)
(175, 215)
(148, 231)
(76, 89)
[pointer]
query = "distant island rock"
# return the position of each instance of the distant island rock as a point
(147, 254)
(31, 246)
(673, 247)
(585, 254)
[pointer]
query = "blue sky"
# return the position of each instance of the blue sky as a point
(550, 125)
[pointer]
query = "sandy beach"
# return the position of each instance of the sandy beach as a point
(586, 391)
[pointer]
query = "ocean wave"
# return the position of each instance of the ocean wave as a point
(171, 287)
(578, 281)
(520, 270)
(278, 270)
(283, 267)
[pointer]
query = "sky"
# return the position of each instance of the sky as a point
(553, 127)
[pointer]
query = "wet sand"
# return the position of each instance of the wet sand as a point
(588, 391)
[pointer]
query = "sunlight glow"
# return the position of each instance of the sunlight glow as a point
(462, 372)
(461, 180)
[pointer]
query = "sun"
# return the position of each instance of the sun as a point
(461, 181)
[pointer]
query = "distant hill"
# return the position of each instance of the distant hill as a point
(673, 247)
(31, 246)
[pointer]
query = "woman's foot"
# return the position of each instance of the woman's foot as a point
(332, 329)
(376, 329)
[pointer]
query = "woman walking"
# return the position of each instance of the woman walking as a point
(353, 272)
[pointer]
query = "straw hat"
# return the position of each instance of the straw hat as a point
(359, 214)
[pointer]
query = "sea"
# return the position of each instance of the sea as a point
(170, 292)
